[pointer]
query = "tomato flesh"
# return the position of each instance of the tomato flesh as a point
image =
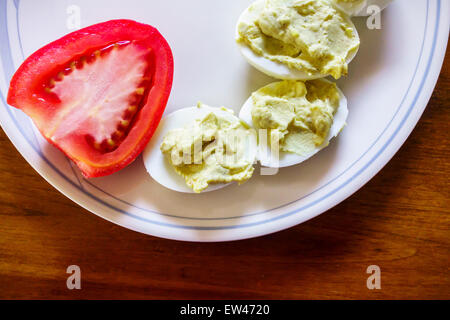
(100, 98)
(97, 94)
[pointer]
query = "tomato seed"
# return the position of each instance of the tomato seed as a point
(111, 142)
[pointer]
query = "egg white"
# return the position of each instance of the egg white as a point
(361, 10)
(287, 159)
(275, 69)
(157, 164)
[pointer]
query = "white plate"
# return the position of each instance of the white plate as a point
(388, 87)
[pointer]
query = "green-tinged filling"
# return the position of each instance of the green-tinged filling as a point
(210, 150)
(308, 35)
(297, 114)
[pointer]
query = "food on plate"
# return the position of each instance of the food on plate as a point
(201, 148)
(302, 117)
(98, 93)
(360, 7)
(297, 39)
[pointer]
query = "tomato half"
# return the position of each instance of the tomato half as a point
(98, 93)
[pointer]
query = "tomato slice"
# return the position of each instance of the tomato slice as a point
(98, 93)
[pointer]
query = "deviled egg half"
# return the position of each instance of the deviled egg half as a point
(295, 119)
(297, 39)
(360, 7)
(201, 149)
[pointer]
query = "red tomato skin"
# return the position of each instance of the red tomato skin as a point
(25, 91)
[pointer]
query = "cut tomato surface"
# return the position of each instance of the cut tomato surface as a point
(98, 93)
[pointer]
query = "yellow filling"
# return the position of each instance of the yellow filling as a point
(298, 114)
(308, 35)
(209, 150)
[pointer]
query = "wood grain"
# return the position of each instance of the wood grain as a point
(400, 221)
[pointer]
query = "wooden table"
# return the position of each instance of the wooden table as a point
(399, 221)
